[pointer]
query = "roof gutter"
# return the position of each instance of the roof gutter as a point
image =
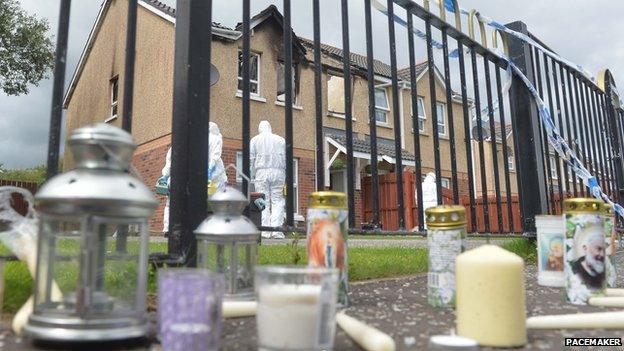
(85, 52)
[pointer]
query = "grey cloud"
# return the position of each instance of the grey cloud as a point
(586, 32)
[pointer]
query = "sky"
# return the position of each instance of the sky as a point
(589, 33)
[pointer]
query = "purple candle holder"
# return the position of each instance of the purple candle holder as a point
(189, 309)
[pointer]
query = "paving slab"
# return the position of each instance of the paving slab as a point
(398, 307)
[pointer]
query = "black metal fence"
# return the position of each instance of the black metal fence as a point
(533, 176)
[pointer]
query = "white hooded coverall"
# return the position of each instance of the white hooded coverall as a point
(166, 172)
(429, 192)
(268, 162)
(215, 165)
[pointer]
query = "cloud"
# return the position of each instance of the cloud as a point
(586, 32)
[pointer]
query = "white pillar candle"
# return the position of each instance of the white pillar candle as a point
(601, 301)
(600, 320)
(235, 309)
(289, 316)
(614, 292)
(367, 337)
(491, 297)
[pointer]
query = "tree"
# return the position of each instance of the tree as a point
(35, 174)
(26, 52)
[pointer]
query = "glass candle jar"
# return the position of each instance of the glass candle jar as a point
(189, 309)
(446, 236)
(296, 307)
(584, 265)
(550, 250)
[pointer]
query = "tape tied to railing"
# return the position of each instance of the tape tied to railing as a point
(559, 144)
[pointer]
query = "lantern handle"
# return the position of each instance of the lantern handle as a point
(131, 169)
(238, 172)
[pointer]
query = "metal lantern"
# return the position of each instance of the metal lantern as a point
(89, 286)
(227, 243)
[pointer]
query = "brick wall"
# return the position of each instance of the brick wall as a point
(149, 159)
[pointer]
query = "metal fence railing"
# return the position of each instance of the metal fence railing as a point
(496, 143)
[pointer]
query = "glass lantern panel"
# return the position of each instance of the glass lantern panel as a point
(58, 265)
(116, 278)
(247, 260)
(92, 271)
(236, 261)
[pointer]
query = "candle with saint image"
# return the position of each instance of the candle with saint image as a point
(296, 307)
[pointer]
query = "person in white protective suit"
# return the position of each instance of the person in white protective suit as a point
(216, 170)
(268, 167)
(166, 173)
(429, 192)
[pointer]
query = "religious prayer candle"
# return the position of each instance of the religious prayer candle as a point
(446, 235)
(491, 297)
(585, 259)
(599, 320)
(189, 309)
(328, 234)
(296, 307)
(550, 250)
(369, 338)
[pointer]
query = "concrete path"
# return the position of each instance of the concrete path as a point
(393, 242)
(399, 307)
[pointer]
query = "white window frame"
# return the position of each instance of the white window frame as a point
(335, 113)
(296, 185)
(441, 106)
(296, 82)
(384, 110)
(114, 103)
(553, 167)
(421, 102)
(239, 166)
(445, 182)
(251, 80)
(511, 162)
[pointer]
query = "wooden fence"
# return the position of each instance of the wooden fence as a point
(18, 202)
(388, 205)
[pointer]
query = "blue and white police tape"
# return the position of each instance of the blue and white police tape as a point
(448, 4)
(437, 45)
(559, 144)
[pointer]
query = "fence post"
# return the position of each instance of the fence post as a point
(527, 136)
(191, 114)
(612, 104)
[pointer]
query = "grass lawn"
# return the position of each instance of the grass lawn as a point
(364, 264)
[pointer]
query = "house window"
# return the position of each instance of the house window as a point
(445, 182)
(440, 108)
(296, 184)
(335, 96)
(281, 83)
(381, 105)
(239, 167)
(254, 72)
(114, 94)
(553, 167)
(510, 161)
(421, 115)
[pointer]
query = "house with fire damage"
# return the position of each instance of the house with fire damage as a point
(96, 90)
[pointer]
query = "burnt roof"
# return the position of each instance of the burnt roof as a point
(171, 11)
(360, 61)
